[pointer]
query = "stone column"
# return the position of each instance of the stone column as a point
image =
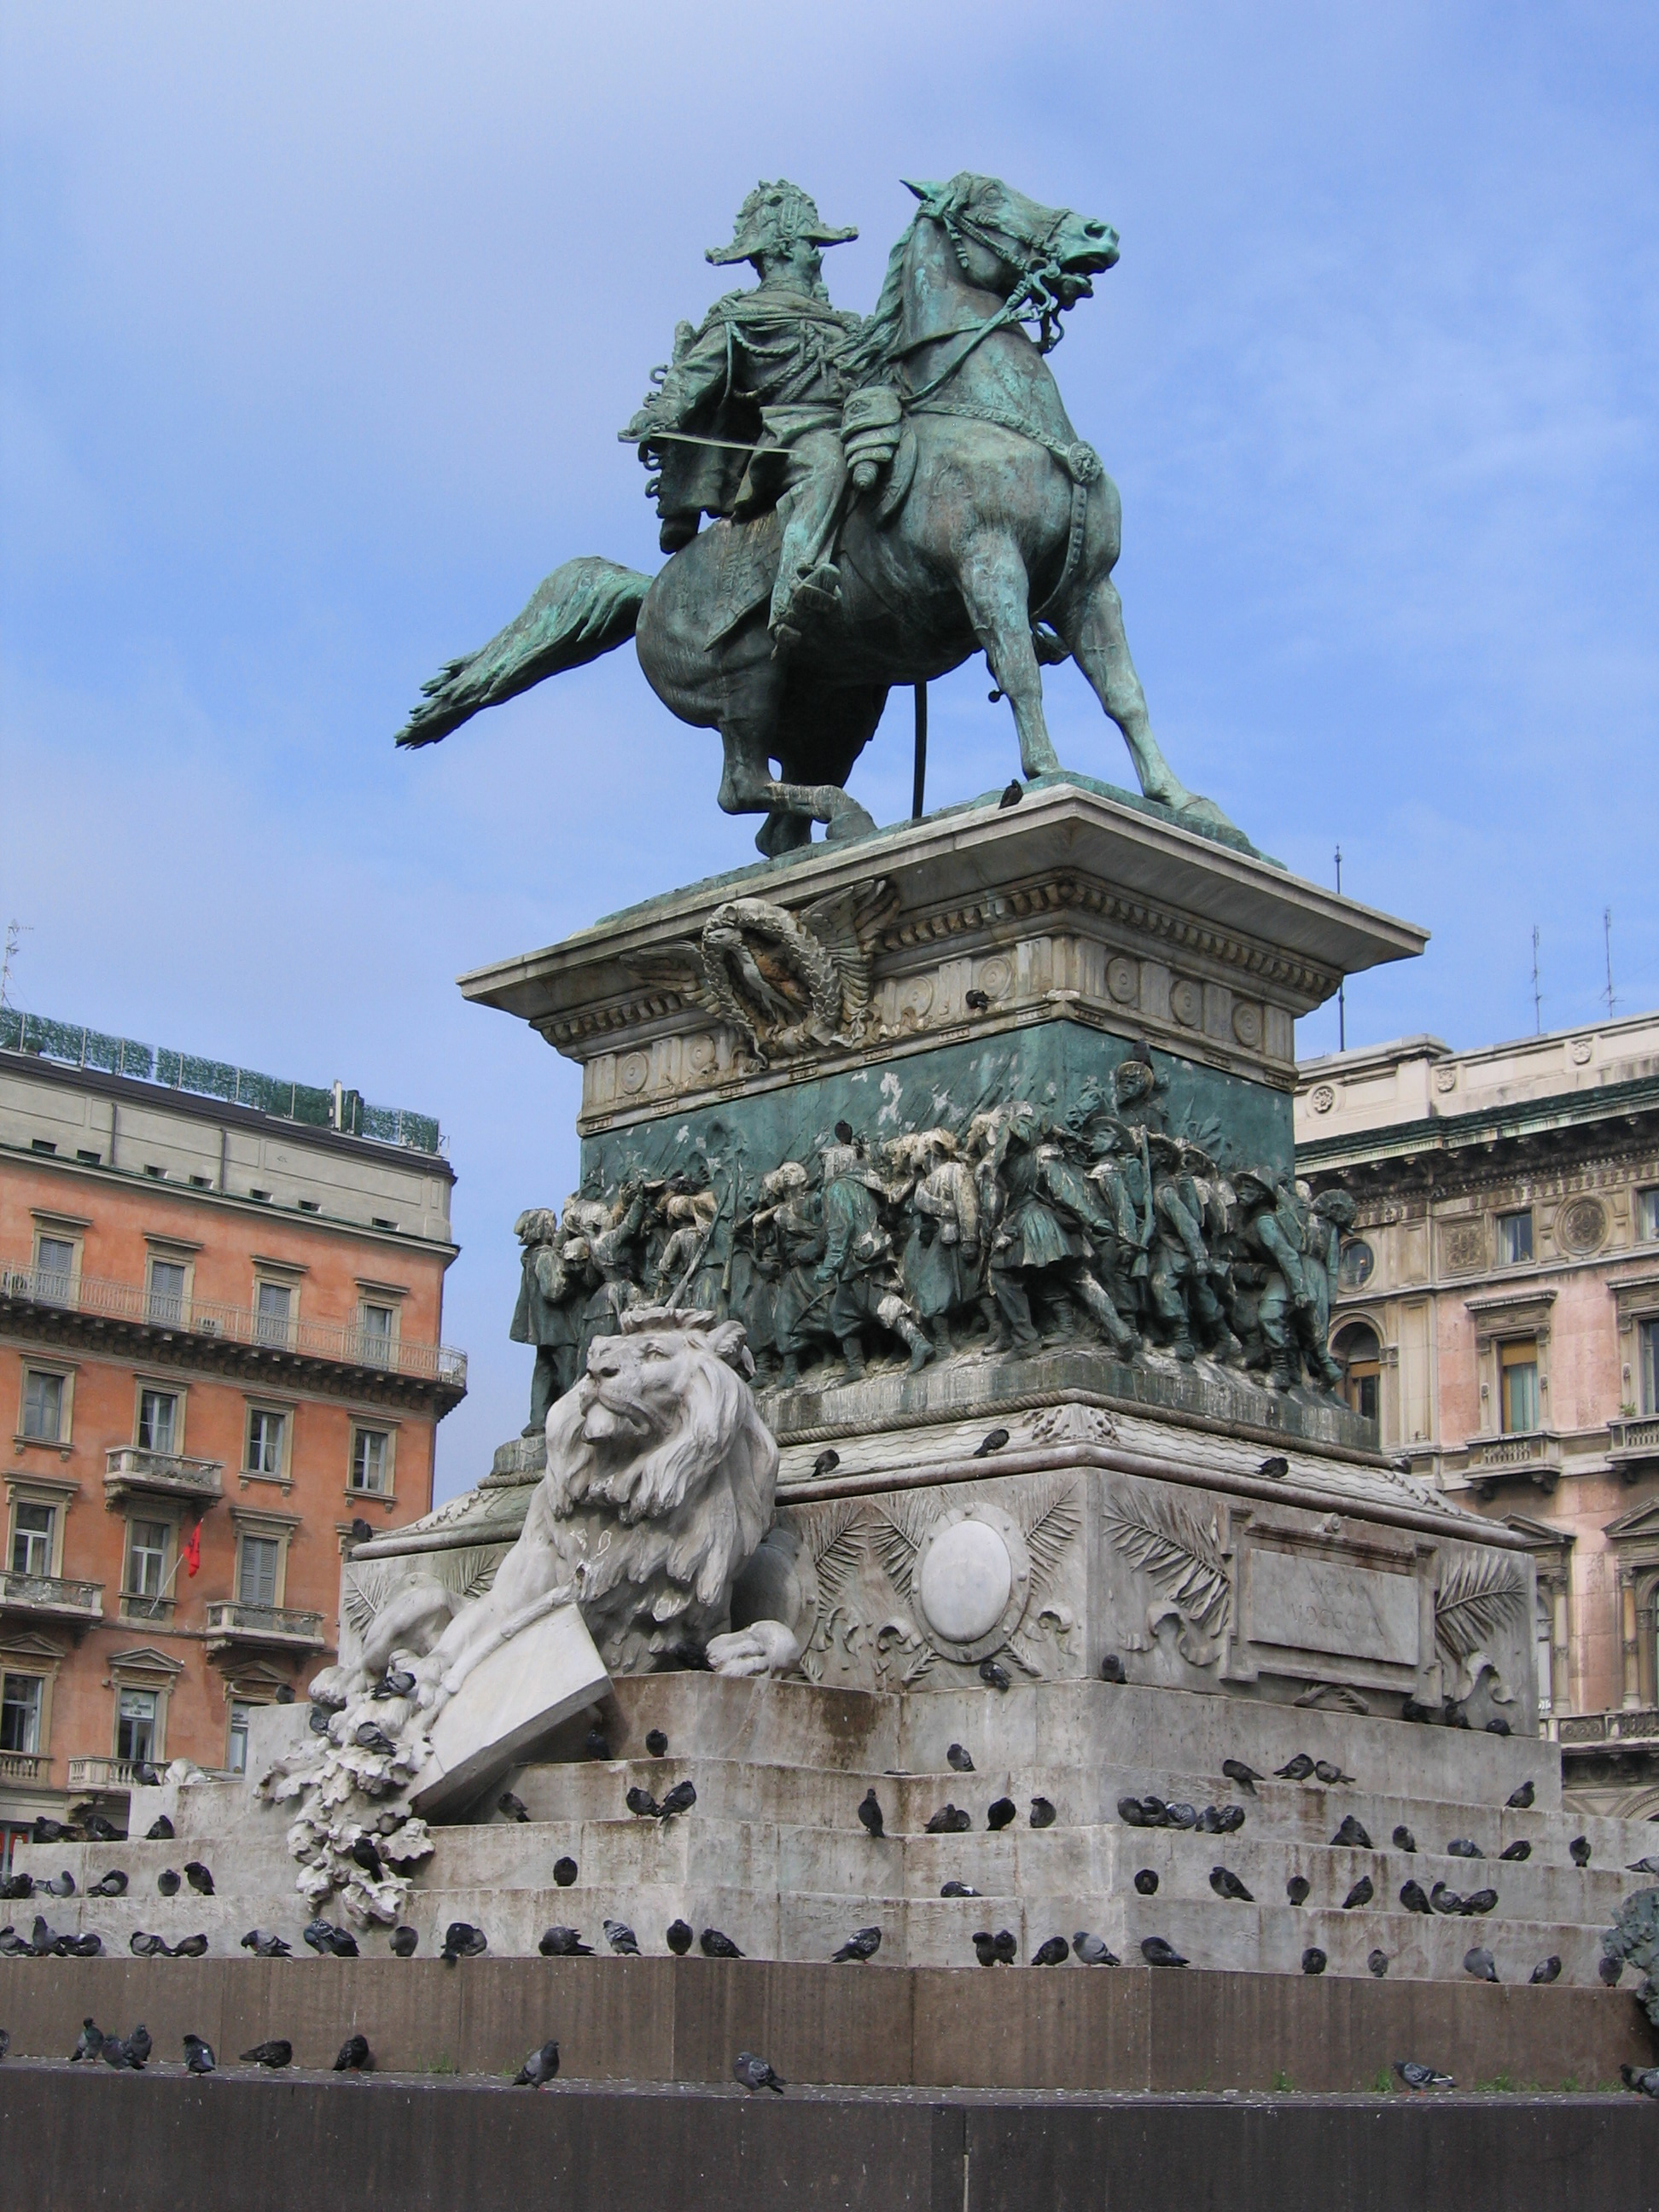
(1632, 1650)
(1560, 1652)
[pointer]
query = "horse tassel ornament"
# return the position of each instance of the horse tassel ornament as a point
(850, 503)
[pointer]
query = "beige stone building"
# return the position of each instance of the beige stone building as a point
(1499, 1313)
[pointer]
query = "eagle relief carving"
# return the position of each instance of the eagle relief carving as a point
(784, 982)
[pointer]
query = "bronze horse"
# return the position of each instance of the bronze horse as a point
(993, 518)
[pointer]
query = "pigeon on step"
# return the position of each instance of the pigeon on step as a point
(1361, 1894)
(275, 2054)
(1054, 1951)
(514, 1808)
(755, 2074)
(142, 1946)
(1519, 1800)
(1275, 1468)
(622, 1939)
(1146, 1882)
(1579, 1851)
(958, 1889)
(462, 1941)
(642, 1805)
(960, 1760)
(861, 1945)
(565, 1872)
(1403, 1838)
(1444, 1899)
(1547, 1969)
(1461, 1848)
(1480, 1964)
(1295, 1769)
(561, 1943)
(190, 1946)
(1329, 1774)
(717, 1945)
(1091, 1951)
(869, 1813)
(826, 1462)
(405, 1941)
(1043, 1813)
(263, 1946)
(1297, 1888)
(539, 2069)
(1644, 2080)
(1313, 1960)
(1352, 1835)
(113, 1883)
(1225, 1883)
(994, 1677)
(656, 1743)
(167, 1882)
(1158, 1953)
(199, 1877)
(354, 2057)
(1649, 1865)
(1111, 1669)
(1246, 1777)
(198, 2056)
(160, 1830)
(1378, 1963)
(1516, 1851)
(680, 1799)
(948, 1820)
(1412, 1896)
(598, 1744)
(1417, 2078)
(678, 1938)
(1609, 1969)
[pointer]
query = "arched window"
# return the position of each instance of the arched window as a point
(1359, 1355)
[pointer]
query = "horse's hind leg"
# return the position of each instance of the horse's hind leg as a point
(997, 595)
(748, 787)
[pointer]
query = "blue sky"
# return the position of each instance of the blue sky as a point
(320, 322)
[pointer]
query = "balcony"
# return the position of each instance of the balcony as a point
(1574, 1729)
(1633, 1446)
(161, 1318)
(23, 1765)
(137, 1605)
(130, 1470)
(232, 1624)
(49, 1597)
(1534, 1457)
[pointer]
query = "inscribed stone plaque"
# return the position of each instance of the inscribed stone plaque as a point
(1327, 1605)
(510, 1700)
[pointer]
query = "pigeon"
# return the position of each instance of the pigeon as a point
(1012, 795)
(1413, 1897)
(91, 2043)
(992, 1441)
(1352, 1835)
(326, 1940)
(1043, 1813)
(61, 1885)
(826, 1462)
(1412, 1710)
(598, 1744)
(364, 1854)
(369, 1735)
(148, 1946)
(1221, 1820)
(115, 2053)
(5, 2041)
(994, 1677)
(1329, 1774)
(714, 1945)
(1579, 1851)
(642, 1804)
(1246, 1777)
(1297, 1888)
(564, 1872)
(1479, 1963)
(147, 1777)
(113, 1883)
(958, 1889)
(1361, 1894)
(622, 1939)
(755, 2074)
(263, 1946)
(361, 1531)
(960, 1760)
(1111, 1669)
(948, 1820)
(985, 1947)
(1053, 1951)
(167, 1881)
(843, 1132)
(1516, 1851)
(1644, 2080)
(680, 1799)
(1313, 1960)
(395, 1682)
(656, 1743)
(462, 1941)
(1275, 1467)
(678, 1937)
(1295, 1769)
(1001, 1812)
(1547, 1969)
(1499, 1726)
(977, 1001)
(1649, 1865)
(539, 2069)
(1129, 1811)
(869, 1813)
(1421, 2077)
(1403, 1838)
(405, 1940)
(1157, 1952)
(198, 2056)
(1091, 1952)
(1146, 1882)
(1454, 1716)
(863, 1944)
(199, 1877)
(1609, 1969)
(1480, 1901)
(102, 1830)
(1378, 1963)
(190, 1946)
(14, 1946)
(275, 2054)
(48, 1831)
(1005, 1946)
(1225, 1883)
(1519, 1800)
(1444, 1900)
(18, 1885)
(558, 1942)
(514, 1808)
(1181, 1815)
(1461, 1848)
(320, 1718)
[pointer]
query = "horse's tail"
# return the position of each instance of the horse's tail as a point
(586, 608)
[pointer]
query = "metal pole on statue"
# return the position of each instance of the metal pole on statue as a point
(1342, 987)
(921, 752)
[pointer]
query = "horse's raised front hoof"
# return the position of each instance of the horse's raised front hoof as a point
(849, 821)
(783, 833)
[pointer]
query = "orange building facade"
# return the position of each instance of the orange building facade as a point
(221, 1354)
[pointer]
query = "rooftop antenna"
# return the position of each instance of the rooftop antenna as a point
(1606, 940)
(1342, 986)
(15, 933)
(1537, 995)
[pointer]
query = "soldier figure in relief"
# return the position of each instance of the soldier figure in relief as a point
(545, 1315)
(858, 1270)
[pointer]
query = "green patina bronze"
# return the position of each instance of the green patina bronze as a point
(851, 503)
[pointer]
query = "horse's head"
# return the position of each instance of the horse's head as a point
(1008, 245)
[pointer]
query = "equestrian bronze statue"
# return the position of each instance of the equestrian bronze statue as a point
(884, 497)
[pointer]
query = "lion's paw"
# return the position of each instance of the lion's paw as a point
(765, 1647)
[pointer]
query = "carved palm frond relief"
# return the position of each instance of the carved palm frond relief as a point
(1167, 1541)
(898, 1534)
(836, 1539)
(1481, 1594)
(1049, 1519)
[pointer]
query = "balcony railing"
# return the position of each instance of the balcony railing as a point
(102, 1773)
(229, 1620)
(1533, 1457)
(171, 1314)
(130, 1470)
(1632, 1445)
(22, 1766)
(49, 1596)
(1639, 1727)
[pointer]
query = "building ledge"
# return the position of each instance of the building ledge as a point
(130, 1471)
(233, 1625)
(50, 1597)
(1583, 1729)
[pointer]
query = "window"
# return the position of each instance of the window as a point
(378, 1325)
(236, 1756)
(31, 1530)
(1360, 1355)
(1647, 1216)
(256, 1570)
(54, 1270)
(1515, 1238)
(368, 1458)
(134, 1724)
(20, 1713)
(165, 1303)
(158, 1421)
(266, 1435)
(1355, 1264)
(1647, 1340)
(43, 1406)
(41, 1145)
(273, 1304)
(1518, 1388)
(147, 1559)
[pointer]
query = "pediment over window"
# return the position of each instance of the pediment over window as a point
(143, 1659)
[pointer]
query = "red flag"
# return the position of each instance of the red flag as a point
(192, 1552)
